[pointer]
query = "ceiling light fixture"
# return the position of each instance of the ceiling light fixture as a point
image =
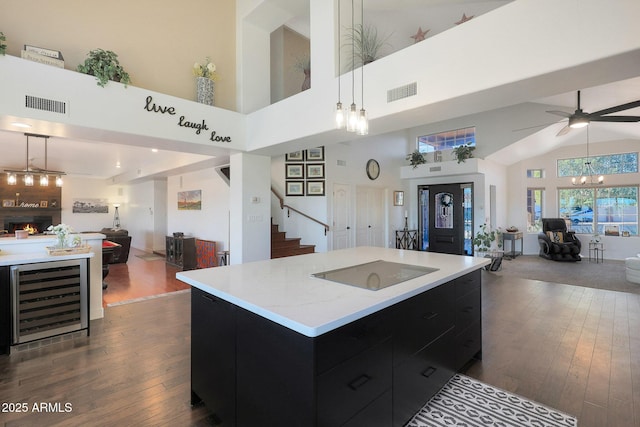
(588, 171)
(340, 122)
(363, 122)
(352, 118)
(21, 125)
(28, 172)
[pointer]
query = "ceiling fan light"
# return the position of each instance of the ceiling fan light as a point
(578, 122)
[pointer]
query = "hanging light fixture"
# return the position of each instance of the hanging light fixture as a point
(363, 122)
(352, 118)
(28, 172)
(340, 119)
(588, 173)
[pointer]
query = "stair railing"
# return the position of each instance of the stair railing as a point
(291, 208)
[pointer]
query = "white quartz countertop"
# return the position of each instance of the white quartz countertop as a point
(30, 258)
(283, 290)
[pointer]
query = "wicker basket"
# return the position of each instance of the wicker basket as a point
(55, 251)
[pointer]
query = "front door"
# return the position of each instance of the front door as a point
(446, 219)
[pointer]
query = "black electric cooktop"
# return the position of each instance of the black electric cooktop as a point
(375, 275)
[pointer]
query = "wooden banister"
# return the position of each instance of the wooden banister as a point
(291, 208)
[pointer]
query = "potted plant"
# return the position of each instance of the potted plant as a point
(485, 240)
(367, 44)
(303, 64)
(463, 152)
(416, 158)
(3, 47)
(104, 65)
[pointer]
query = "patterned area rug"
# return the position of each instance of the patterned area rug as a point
(464, 402)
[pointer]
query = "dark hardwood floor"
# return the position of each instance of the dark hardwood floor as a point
(573, 348)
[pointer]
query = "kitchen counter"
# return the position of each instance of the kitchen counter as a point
(283, 290)
(33, 249)
(273, 345)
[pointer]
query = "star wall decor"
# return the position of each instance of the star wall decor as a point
(419, 36)
(464, 19)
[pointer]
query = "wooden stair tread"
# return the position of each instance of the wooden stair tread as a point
(282, 246)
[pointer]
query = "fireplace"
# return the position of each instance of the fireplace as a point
(34, 224)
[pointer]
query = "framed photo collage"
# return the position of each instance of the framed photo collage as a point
(305, 173)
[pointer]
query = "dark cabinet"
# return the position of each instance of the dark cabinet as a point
(376, 371)
(213, 356)
(181, 252)
(5, 311)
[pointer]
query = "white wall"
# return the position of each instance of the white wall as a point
(615, 247)
(210, 223)
(87, 188)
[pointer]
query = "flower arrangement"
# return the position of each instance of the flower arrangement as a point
(61, 231)
(3, 47)
(208, 70)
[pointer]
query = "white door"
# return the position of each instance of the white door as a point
(370, 216)
(341, 217)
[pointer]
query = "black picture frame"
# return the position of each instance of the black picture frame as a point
(294, 171)
(315, 154)
(294, 188)
(295, 156)
(315, 171)
(315, 188)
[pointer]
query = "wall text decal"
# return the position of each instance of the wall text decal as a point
(152, 107)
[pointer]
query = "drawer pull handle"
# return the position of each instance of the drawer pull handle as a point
(209, 298)
(467, 309)
(430, 315)
(359, 382)
(429, 371)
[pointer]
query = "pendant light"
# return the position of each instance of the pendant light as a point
(363, 122)
(27, 173)
(352, 118)
(340, 116)
(587, 170)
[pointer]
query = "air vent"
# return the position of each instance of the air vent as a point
(435, 169)
(45, 104)
(402, 92)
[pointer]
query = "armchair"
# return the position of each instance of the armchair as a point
(556, 243)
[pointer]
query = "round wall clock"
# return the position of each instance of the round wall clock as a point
(373, 169)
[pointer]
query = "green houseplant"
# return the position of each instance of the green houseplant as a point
(485, 238)
(104, 65)
(463, 152)
(416, 158)
(3, 47)
(367, 44)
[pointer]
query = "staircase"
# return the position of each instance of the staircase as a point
(282, 246)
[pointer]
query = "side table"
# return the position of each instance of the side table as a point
(513, 237)
(596, 252)
(407, 239)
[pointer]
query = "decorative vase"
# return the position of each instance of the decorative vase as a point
(306, 84)
(204, 89)
(62, 241)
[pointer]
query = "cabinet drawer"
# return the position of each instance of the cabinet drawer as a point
(349, 387)
(468, 309)
(422, 319)
(420, 377)
(468, 343)
(349, 340)
(376, 414)
(467, 283)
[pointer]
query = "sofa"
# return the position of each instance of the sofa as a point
(632, 269)
(121, 237)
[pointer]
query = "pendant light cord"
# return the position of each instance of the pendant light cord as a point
(353, 57)
(339, 51)
(362, 53)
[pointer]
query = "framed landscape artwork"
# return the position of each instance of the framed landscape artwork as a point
(295, 188)
(190, 200)
(315, 188)
(315, 154)
(294, 170)
(296, 156)
(315, 170)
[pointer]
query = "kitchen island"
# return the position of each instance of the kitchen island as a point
(274, 345)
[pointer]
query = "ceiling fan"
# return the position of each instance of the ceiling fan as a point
(581, 118)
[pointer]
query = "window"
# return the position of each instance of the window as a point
(447, 140)
(609, 164)
(535, 173)
(534, 209)
(597, 210)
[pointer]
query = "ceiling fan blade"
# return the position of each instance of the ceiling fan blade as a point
(565, 130)
(560, 113)
(617, 119)
(617, 108)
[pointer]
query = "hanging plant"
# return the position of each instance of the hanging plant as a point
(104, 65)
(463, 152)
(416, 158)
(3, 47)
